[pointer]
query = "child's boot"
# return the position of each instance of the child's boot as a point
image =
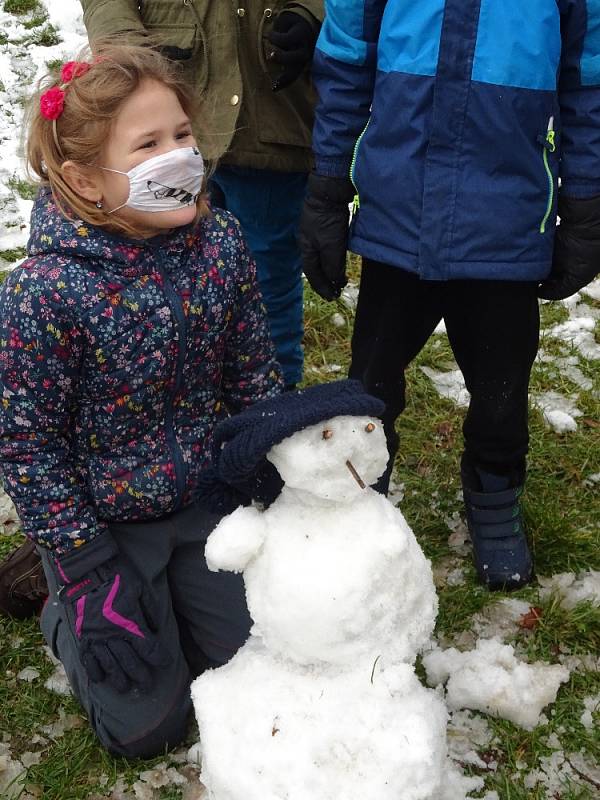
(495, 521)
(23, 587)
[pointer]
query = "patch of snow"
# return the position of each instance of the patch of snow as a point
(10, 772)
(591, 706)
(58, 681)
(572, 588)
(450, 385)
(579, 332)
(65, 722)
(591, 480)
(491, 679)
(560, 771)
(593, 289)
(396, 492)
(349, 296)
(559, 412)
(9, 519)
(467, 734)
(29, 674)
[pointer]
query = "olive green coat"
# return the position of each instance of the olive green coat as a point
(243, 121)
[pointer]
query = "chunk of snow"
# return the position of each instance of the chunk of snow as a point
(491, 679)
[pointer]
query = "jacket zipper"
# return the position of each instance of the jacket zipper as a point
(356, 200)
(177, 308)
(549, 145)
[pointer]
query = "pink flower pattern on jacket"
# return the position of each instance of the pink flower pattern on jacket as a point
(116, 361)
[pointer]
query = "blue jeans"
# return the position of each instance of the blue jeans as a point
(268, 206)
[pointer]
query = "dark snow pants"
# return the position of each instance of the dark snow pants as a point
(493, 328)
(202, 621)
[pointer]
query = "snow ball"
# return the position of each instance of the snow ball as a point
(299, 733)
(318, 463)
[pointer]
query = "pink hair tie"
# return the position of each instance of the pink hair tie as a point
(73, 69)
(52, 101)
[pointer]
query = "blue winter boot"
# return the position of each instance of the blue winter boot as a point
(495, 521)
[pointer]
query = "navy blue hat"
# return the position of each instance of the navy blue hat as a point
(246, 438)
(242, 441)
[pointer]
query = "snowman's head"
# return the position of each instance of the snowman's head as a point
(333, 460)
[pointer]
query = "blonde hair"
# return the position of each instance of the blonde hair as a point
(91, 103)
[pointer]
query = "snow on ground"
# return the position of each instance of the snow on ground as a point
(572, 589)
(22, 64)
(560, 413)
(490, 678)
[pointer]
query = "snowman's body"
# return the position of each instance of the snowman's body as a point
(322, 702)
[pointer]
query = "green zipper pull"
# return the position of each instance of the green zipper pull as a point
(356, 200)
(549, 146)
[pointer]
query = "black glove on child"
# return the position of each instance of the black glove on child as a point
(576, 260)
(294, 39)
(104, 607)
(324, 234)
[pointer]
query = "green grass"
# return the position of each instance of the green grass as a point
(564, 522)
(47, 36)
(23, 188)
(14, 254)
(20, 6)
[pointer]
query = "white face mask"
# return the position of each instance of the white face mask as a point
(166, 182)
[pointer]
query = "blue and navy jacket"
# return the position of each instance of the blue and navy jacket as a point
(455, 119)
(116, 361)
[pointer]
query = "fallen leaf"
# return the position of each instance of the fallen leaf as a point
(531, 619)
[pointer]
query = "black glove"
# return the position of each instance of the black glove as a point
(222, 497)
(104, 607)
(324, 234)
(294, 39)
(576, 260)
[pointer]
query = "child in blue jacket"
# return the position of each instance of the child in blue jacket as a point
(133, 326)
(450, 122)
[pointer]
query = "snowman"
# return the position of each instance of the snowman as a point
(322, 701)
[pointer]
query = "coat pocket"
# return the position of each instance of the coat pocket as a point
(284, 117)
(178, 30)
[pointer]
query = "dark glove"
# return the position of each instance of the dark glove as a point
(104, 607)
(324, 234)
(576, 260)
(294, 39)
(220, 496)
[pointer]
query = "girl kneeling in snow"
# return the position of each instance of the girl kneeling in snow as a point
(133, 326)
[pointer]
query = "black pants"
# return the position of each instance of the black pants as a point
(201, 618)
(493, 328)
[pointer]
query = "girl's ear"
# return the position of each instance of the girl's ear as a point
(85, 182)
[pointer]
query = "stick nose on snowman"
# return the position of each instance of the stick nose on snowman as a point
(355, 474)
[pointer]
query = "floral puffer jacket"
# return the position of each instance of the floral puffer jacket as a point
(116, 361)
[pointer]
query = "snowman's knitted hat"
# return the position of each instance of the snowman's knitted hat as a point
(243, 441)
(246, 438)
